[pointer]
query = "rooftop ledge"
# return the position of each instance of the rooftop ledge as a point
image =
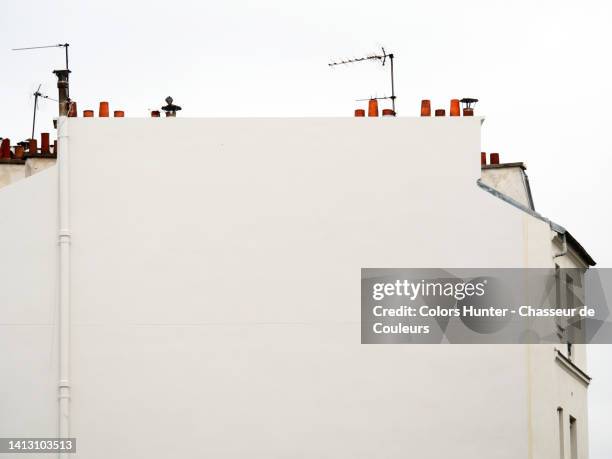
(502, 165)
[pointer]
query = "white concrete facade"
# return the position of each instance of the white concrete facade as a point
(15, 170)
(11, 172)
(36, 165)
(215, 294)
(511, 180)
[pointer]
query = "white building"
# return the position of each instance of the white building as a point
(210, 307)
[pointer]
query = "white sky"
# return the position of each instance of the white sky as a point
(542, 70)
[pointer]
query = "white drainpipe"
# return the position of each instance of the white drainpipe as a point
(63, 159)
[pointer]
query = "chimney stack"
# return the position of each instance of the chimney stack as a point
(62, 88)
(494, 158)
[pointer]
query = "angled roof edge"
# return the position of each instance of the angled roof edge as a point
(571, 240)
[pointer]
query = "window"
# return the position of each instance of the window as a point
(569, 292)
(571, 287)
(561, 435)
(557, 286)
(573, 438)
(558, 304)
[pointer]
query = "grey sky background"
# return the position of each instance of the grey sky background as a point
(540, 68)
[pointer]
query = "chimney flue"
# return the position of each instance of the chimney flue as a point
(494, 158)
(170, 109)
(359, 112)
(468, 102)
(62, 89)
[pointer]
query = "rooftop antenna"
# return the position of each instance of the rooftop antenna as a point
(36, 95)
(59, 45)
(382, 57)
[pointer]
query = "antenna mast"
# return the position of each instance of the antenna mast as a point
(383, 59)
(59, 45)
(36, 95)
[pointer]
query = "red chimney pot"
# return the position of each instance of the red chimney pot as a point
(103, 113)
(72, 113)
(425, 107)
(5, 149)
(32, 147)
(44, 142)
(455, 108)
(373, 107)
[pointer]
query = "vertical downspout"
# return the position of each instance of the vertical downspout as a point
(63, 159)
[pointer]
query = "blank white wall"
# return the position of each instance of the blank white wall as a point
(216, 270)
(28, 319)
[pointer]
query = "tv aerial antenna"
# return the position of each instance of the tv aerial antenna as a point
(59, 45)
(382, 58)
(36, 95)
